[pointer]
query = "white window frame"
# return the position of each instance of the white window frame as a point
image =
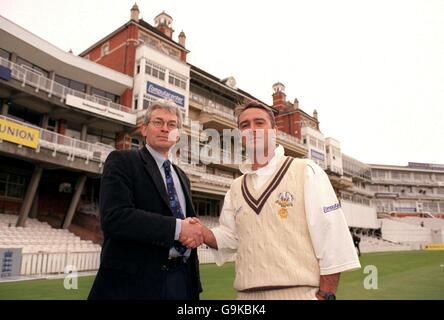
(177, 80)
(152, 66)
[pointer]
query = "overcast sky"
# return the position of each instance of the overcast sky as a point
(374, 70)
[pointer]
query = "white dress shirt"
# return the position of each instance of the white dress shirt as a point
(159, 158)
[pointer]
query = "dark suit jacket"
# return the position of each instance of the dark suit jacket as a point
(138, 228)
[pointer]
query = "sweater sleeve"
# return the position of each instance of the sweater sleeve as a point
(225, 233)
(328, 228)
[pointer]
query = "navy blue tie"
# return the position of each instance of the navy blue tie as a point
(174, 202)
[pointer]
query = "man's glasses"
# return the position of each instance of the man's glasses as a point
(158, 123)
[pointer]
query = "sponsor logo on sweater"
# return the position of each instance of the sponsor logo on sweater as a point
(333, 207)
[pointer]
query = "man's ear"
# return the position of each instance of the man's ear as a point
(143, 130)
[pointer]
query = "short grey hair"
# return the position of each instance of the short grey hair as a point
(254, 104)
(164, 104)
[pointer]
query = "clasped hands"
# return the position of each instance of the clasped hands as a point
(192, 233)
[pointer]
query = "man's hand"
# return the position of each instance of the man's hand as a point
(208, 236)
(191, 234)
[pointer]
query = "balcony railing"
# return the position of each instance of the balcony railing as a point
(217, 180)
(212, 107)
(187, 123)
(288, 138)
(39, 82)
(72, 147)
(410, 181)
(362, 191)
(356, 173)
(200, 171)
(335, 169)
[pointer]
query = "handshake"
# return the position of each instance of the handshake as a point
(193, 233)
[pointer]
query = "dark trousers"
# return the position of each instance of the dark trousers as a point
(178, 284)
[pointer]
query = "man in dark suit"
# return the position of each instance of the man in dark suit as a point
(145, 209)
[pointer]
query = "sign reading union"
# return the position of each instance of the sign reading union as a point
(162, 92)
(19, 134)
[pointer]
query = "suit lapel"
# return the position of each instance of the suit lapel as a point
(153, 171)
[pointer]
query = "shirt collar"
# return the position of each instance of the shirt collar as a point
(269, 169)
(158, 157)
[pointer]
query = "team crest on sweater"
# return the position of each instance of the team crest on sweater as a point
(285, 199)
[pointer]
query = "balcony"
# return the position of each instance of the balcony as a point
(340, 182)
(213, 114)
(53, 88)
(195, 131)
(335, 170)
(57, 143)
(206, 182)
(292, 145)
(362, 191)
(408, 182)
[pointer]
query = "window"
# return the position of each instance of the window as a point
(177, 80)
(312, 141)
(336, 152)
(11, 185)
(107, 95)
(346, 196)
(147, 101)
(5, 54)
(378, 174)
(22, 62)
(101, 136)
(52, 125)
(417, 176)
(63, 81)
(430, 206)
(24, 114)
(41, 71)
(155, 70)
(105, 49)
(78, 86)
(395, 175)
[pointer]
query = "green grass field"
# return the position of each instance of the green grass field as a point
(401, 275)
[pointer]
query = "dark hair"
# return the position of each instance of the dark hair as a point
(254, 104)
